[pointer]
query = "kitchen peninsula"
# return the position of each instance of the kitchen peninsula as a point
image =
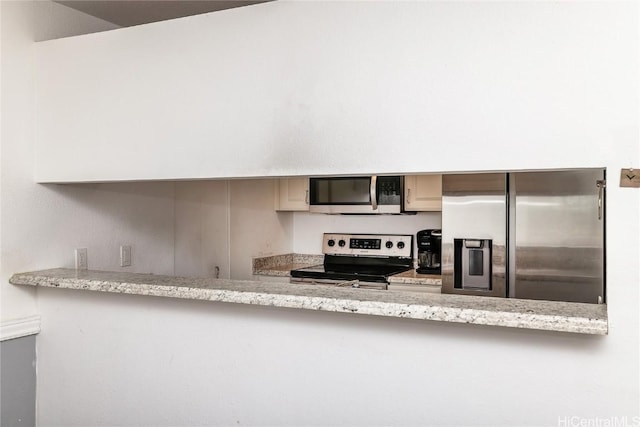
(514, 313)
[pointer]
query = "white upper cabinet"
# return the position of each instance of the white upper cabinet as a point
(292, 194)
(317, 88)
(423, 193)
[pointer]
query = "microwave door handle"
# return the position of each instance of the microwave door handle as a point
(373, 192)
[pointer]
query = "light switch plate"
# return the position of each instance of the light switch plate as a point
(81, 259)
(125, 256)
(630, 178)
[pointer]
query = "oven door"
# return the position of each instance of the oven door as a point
(356, 195)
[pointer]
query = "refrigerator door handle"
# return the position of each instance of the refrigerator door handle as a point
(374, 192)
(601, 183)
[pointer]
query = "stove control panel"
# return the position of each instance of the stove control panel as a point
(387, 245)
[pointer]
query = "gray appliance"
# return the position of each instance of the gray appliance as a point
(532, 235)
(370, 194)
(474, 209)
(359, 260)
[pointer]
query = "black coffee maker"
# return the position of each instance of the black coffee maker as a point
(429, 251)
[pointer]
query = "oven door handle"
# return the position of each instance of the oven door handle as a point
(373, 193)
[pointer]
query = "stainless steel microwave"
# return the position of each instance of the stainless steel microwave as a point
(356, 195)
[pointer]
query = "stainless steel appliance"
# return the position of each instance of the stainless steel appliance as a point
(474, 208)
(533, 235)
(359, 260)
(429, 244)
(473, 256)
(356, 195)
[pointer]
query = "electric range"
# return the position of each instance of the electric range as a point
(359, 260)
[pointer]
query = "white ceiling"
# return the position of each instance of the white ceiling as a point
(126, 13)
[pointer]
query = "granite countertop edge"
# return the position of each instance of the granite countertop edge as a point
(525, 314)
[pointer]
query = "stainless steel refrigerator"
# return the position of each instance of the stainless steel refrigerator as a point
(533, 235)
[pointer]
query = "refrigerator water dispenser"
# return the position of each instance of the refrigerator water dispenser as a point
(472, 264)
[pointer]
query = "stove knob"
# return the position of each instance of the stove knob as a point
(331, 243)
(400, 245)
(342, 243)
(389, 244)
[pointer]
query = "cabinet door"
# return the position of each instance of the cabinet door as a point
(292, 194)
(423, 193)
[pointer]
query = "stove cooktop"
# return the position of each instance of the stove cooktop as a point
(363, 257)
(369, 273)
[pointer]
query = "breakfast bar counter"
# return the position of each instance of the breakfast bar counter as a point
(514, 313)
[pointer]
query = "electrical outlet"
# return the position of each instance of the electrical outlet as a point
(125, 256)
(81, 258)
(629, 178)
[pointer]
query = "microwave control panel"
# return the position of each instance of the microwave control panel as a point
(384, 245)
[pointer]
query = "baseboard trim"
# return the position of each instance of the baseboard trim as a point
(17, 328)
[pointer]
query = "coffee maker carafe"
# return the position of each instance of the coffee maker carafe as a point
(429, 251)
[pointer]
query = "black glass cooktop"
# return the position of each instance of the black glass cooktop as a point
(368, 273)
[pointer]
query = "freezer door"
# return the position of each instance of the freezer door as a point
(559, 235)
(474, 209)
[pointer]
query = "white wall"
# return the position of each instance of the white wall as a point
(170, 362)
(1, 137)
(202, 229)
(561, 90)
(295, 88)
(227, 223)
(40, 225)
(256, 228)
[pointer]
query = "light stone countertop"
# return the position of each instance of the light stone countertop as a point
(410, 277)
(281, 265)
(514, 313)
